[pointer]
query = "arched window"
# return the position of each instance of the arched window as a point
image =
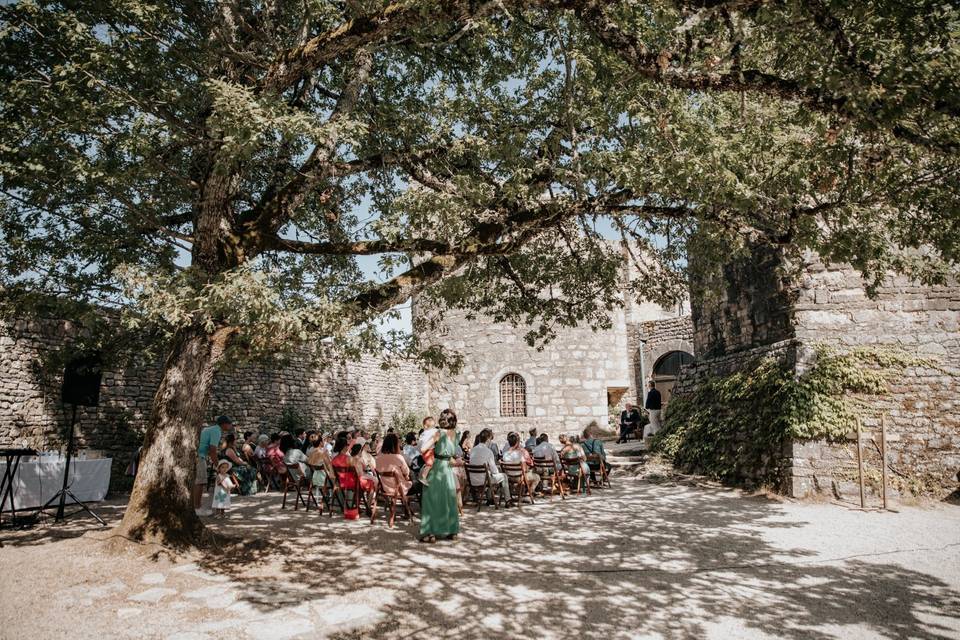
(513, 395)
(666, 370)
(668, 366)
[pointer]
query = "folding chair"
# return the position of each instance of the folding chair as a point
(264, 474)
(517, 481)
(332, 492)
(294, 479)
(480, 491)
(391, 489)
(575, 474)
(549, 476)
(348, 477)
(598, 468)
(325, 492)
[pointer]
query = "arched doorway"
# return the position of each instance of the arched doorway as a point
(666, 370)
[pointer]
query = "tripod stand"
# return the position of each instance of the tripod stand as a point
(64, 492)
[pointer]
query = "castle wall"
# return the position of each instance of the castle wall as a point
(356, 393)
(566, 381)
(923, 405)
(745, 304)
(759, 311)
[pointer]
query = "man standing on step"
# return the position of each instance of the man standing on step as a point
(653, 406)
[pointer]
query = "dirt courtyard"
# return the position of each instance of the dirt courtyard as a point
(641, 560)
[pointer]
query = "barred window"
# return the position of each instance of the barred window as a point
(513, 395)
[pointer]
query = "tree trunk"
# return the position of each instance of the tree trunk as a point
(161, 508)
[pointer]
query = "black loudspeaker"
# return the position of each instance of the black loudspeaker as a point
(81, 381)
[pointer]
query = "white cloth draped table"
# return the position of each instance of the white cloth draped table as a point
(36, 482)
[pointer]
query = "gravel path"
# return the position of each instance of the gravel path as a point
(641, 560)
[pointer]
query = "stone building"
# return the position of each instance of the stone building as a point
(750, 309)
(506, 385)
(765, 307)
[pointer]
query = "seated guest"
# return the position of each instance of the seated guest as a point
(572, 451)
(532, 440)
(482, 454)
(368, 483)
(492, 445)
(367, 460)
(465, 445)
(308, 438)
(292, 455)
(260, 452)
(594, 446)
(314, 440)
(274, 455)
(546, 450)
(319, 461)
(516, 454)
(300, 437)
(245, 474)
(410, 449)
(248, 447)
(390, 460)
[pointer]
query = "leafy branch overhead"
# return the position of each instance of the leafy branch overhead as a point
(225, 164)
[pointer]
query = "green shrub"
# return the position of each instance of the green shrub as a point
(404, 420)
(734, 427)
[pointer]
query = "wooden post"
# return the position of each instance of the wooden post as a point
(863, 501)
(883, 458)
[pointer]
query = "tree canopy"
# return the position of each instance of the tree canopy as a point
(214, 169)
(224, 162)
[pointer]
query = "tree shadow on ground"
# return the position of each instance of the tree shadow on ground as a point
(639, 559)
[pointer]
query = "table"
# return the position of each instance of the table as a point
(12, 457)
(35, 481)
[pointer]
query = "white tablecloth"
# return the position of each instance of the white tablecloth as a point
(37, 482)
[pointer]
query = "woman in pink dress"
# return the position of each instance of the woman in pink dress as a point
(390, 460)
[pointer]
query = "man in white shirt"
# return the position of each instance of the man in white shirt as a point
(546, 450)
(483, 455)
(516, 454)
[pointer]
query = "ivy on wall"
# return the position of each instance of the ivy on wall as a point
(734, 427)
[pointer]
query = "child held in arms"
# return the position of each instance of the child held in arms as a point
(428, 438)
(221, 494)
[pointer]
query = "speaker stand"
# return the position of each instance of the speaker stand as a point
(61, 496)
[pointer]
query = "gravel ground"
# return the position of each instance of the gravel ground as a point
(640, 560)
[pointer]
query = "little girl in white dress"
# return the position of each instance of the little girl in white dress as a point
(221, 493)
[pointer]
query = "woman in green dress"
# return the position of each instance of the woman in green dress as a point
(438, 505)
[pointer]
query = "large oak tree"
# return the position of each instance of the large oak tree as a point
(214, 169)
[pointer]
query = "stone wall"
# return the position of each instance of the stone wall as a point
(828, 305)
(356, 393)
(567, 381)
(746, 304)
(923, 406)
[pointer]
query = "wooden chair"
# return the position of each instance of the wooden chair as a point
(598, 469)
(517, 481)
(332, 493)
(480, 491)
(326, 492)
(575, 475)
(392, 491)
(550, 476)
(348, 477)
(266, 476)
(294, 479)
